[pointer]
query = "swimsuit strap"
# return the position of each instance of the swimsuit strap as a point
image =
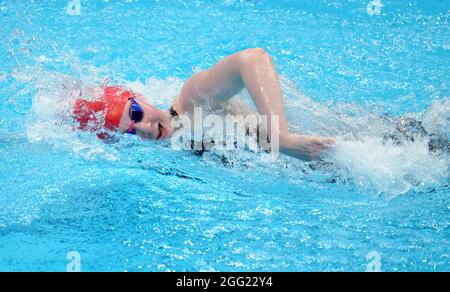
(173, 112)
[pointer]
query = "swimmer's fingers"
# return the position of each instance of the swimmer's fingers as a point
(327, 145)
(327, 142)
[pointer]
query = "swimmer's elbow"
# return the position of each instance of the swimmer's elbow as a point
(254, 54)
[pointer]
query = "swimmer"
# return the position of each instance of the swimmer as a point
(115, 108)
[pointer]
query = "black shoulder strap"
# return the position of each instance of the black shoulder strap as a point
(173, 112)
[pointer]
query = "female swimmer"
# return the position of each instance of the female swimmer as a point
(252, 69)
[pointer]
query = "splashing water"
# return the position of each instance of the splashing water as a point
(360, 156)
(391, 169)
(373, 165)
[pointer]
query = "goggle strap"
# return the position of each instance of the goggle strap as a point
(131, 128)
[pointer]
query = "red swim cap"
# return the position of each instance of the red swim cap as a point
(104, 112)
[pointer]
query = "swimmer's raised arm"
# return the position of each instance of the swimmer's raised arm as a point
(252, 69)
(115, 108)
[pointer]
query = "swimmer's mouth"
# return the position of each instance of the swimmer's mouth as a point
(160, 129)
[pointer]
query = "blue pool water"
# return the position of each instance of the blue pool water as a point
(141, 206)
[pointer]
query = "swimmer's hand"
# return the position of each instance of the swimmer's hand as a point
(305, 147)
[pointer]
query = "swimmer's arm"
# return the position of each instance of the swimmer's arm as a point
(216, 85)
(252, 69)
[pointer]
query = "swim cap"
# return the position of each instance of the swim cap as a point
(104, 112)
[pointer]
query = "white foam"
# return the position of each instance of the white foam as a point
(374, 166)
(390, 169)
(437, 117)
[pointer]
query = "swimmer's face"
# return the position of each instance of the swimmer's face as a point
(155, 125)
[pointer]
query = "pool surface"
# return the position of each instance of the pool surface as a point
(69, 201)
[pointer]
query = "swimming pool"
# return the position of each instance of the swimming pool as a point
(140, 206)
